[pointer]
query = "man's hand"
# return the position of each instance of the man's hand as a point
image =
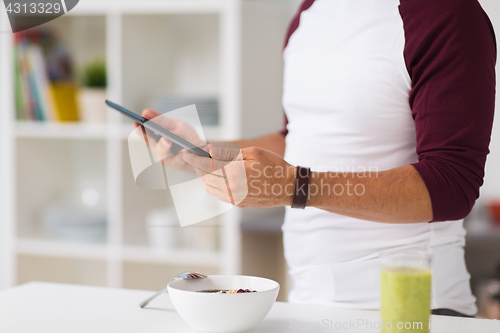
(250, 177)
(255, 177)
(162, 147)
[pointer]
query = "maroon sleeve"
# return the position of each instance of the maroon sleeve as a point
(306, 4)
(450, 54)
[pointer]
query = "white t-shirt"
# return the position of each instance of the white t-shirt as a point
(346, 91)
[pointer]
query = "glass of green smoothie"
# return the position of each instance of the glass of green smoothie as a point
(405, 292)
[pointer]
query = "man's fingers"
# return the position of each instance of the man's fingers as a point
(214, 180)
(165, 144)
(210, 165)
(145, 135)
(150, 114)
(176, 162)
(211, 172)
(160, 119)
(140, 130)
(226, 154)
(218, 193)
(203, 163)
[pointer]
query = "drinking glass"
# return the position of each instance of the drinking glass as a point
(405, 292)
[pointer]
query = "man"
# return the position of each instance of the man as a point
(390, 104)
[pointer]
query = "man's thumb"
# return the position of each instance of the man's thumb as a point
(225, 154)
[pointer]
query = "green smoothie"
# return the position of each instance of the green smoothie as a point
(405, 297)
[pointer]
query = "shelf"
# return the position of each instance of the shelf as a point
(52, 130)
(83, 131)
(144, 254)
(195, 48)
(211, 132)
(61, 249)
(54, 248)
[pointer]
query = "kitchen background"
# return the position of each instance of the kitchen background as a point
(70, 210)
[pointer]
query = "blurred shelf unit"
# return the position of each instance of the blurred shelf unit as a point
(82, 130)
(59, 249)
(49, 248)
(229, 50)
(60, 130)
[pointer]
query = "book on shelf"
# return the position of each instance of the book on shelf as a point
(44, 88)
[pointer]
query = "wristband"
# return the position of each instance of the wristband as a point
(301, 187)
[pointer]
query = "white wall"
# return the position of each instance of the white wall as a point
(292, 5)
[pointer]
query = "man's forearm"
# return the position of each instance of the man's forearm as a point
(274, 142)
(394, 196)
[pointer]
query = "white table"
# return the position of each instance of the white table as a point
(56, 308)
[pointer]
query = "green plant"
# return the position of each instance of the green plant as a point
(94, 74)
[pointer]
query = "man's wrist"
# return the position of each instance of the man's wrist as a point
(316, 183)
(301, 192)
(288, 187)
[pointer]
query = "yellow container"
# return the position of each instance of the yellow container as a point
(65, 105)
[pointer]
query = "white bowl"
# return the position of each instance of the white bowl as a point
(223, 313)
